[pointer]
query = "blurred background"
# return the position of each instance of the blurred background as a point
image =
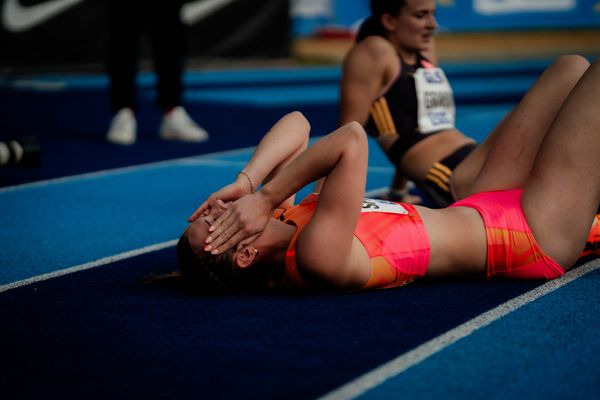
(248, 62)
(469, 29)
(70, 35)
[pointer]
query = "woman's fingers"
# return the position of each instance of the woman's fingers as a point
(199, 212)
(228, 193)
(231, 229)
(239, 240)
(227, 233)
(220, 224)
(229, 243)
(205, 207)
(238, 221)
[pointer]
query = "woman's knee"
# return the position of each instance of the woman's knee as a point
(572, 63)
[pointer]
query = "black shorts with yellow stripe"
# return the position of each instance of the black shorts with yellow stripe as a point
(437, 182)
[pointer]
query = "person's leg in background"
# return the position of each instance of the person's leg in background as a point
(125, 23)
(168, 36)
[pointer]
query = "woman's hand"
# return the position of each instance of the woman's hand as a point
(231, 192)
(242, 222)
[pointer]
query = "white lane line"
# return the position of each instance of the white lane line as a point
(213, 162)
(140, 167)
(103, 261)
(89, 265)
(121, 170)
(376, 377)
(377, 192)
(194, 160)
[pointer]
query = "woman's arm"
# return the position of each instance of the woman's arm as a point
(325, 247)
(361, 83)
(367, 69)
(325, 244)
(284, 142)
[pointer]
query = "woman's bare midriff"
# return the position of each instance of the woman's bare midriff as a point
(418, 160)
(457, 240)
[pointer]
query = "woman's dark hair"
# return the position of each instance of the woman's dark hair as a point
(209, 273)
(372, 25)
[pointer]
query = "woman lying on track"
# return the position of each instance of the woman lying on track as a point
(527, 214)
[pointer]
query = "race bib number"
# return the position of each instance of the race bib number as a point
(435, 100)
(383, 206)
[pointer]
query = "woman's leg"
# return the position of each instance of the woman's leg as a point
(505, 159)
(562, 192)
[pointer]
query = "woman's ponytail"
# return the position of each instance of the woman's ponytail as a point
(371, 26)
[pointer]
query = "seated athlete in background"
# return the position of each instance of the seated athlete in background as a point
(528, 215)
(387, 78)
(393, 87)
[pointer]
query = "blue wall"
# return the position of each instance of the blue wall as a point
(518, 14)
(311, 16)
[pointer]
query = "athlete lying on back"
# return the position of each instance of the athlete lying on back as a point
(528, 217)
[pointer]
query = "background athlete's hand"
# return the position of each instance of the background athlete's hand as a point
(242, 222)
(231, 192)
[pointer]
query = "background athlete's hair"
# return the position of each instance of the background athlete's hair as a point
(372, 25)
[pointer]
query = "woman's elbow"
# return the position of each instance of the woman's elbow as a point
(328, 278)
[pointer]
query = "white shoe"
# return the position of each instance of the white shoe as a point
(177, 125)
(123, 127)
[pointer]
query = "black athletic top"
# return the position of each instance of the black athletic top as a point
(395, 112)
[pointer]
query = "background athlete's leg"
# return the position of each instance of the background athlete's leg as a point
(563, 191)
(505, 159)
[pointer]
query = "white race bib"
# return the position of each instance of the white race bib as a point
(383, 206)
(435, 100)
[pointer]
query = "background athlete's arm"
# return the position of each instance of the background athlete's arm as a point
(363, 76)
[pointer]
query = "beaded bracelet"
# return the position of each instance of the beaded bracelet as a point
(249, 180)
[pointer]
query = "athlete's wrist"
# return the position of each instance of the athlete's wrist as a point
(244, 180)
(268, 197)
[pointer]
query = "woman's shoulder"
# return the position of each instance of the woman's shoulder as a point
(373, 47)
